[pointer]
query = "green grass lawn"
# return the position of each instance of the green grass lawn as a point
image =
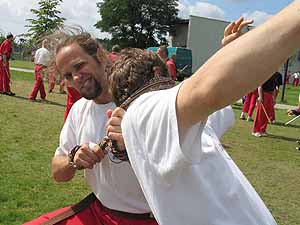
(29, 134)
(291, 95)
(22, 64)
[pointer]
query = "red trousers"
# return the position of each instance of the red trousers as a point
(94, 214)
(4, 77)
(296, 82)
(250, 102)
(72, 96)
(39, 84)
(52, 78)
(261, 120)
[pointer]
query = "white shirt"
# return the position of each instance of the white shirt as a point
(296, 75)
(42, 57)
(115, 185)
(221, 120)
(193, 182)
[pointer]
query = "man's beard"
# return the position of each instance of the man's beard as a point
(94, 92)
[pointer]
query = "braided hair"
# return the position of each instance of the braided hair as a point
(132, 70)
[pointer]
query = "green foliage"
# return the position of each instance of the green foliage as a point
(106, 43)
(2, 37)
(47, 19)
(138, 23)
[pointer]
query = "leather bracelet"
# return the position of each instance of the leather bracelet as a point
(71, 158)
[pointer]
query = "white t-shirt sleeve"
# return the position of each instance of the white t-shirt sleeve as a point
(151, 122)
(221, 121)
(67, 140)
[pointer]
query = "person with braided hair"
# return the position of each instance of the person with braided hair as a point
(117, 198)
(185, 173)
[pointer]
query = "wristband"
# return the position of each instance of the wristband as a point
(71, 158)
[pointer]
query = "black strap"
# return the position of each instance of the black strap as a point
(83, 204)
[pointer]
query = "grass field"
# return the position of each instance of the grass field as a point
(29, 134)
(22, 64)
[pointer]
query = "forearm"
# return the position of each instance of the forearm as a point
(239, 67)
(61, 170)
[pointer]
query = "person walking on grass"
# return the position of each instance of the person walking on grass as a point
(41, 62)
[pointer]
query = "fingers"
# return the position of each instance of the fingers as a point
(244, 24)
(113, 127)
(97, 150)
(228, 29)
(114, 121)
(108, 113)
(118, 112)
(86, 158)
(118, 137)
(237, 25)
(115, 117)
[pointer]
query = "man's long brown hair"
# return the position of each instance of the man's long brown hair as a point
(76, 35)
(132, 70)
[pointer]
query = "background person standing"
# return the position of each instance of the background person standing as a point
(41, 61)
(265, 107)
(5, 55)
(162, 51)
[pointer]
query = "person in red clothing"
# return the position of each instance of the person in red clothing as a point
(296, 79)
(162, 51)
(5, 55)
(265, 107)
(249, 105)
(72, 96)
(41, 61)
(288, 75)
(115, 52)
(52, 79)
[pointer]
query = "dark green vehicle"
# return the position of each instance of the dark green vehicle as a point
(182, 58)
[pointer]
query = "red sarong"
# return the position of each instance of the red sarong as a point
(93, 214)
(261, 120)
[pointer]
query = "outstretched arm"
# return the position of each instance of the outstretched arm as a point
(239, 67)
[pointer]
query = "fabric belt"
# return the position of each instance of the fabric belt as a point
(129, 215)
(85, 203)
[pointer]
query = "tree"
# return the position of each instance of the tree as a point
(2, 37)
(139, 23)
(46, 21)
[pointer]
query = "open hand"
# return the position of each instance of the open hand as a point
(234, 30)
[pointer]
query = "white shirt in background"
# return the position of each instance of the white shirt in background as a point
(42, 57)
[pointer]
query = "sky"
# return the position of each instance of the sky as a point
(13, 13)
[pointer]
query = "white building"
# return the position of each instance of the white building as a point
(203, 36)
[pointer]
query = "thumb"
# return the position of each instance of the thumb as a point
(109, 113)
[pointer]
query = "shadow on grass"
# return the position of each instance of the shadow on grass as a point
(227, 147)
(237, 106)
(283, 138)
(40, 101)
(281, 124)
